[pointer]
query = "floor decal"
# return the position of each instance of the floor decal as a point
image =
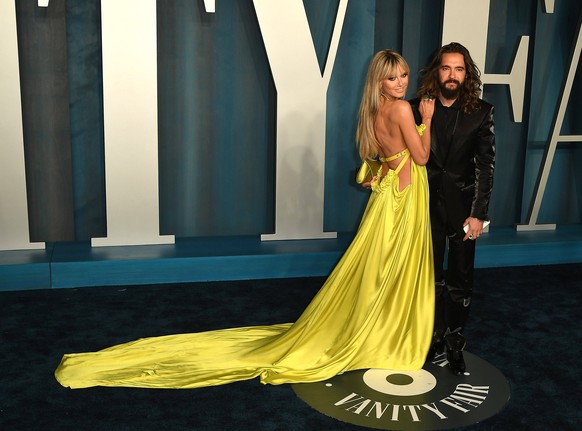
(429, 399)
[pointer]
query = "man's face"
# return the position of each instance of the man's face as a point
(451, 75)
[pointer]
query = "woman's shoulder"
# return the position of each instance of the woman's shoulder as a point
(402, 109)
(402, 105)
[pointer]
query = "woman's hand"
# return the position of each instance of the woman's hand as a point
(426, 108)
(368, 184)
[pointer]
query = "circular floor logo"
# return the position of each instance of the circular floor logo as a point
(429, 399)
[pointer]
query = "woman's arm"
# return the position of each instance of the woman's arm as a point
(419, 146)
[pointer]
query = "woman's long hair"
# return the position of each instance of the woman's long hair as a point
(383, 65)
(470, 89)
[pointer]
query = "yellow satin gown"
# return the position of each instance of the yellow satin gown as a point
(374, 311)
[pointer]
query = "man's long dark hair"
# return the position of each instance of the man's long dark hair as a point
(470, 89)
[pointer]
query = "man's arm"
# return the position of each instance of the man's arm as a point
(484, 166)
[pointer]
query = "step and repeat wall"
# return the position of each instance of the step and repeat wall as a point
(141, 121)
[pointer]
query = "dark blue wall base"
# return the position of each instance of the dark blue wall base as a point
(66, 265)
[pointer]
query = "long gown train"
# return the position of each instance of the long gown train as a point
(375, 310)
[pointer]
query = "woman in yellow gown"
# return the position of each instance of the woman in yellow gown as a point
(375, 310)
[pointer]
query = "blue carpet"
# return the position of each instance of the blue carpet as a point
(525, 321)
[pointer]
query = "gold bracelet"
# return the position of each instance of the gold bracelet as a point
(421, 128)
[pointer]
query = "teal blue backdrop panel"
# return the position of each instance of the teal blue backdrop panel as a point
(216, 120)
(42, 44)
(85, 83)
(321, 16)
(62, 100)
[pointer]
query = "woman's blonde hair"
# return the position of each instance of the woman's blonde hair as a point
(383, 65)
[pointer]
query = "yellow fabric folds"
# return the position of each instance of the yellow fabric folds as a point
(375, 310)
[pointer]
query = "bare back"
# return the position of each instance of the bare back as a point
(389, 134)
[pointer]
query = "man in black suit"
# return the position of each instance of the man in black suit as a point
(460, 174)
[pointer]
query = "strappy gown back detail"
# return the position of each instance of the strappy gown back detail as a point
(395, 156)
(375, 310)
(378, 186)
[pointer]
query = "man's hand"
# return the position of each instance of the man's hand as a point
(473, 228)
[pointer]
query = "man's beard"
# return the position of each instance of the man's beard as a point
(450, 93)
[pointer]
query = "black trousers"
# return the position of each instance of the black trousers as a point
(453, 286)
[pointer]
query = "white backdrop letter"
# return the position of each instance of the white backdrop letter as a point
(131, 123)
(14, 233)
(301, 116)
(466, 22)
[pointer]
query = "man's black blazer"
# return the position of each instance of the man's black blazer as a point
(462, 177)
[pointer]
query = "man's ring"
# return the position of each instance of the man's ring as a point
(471, 236)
